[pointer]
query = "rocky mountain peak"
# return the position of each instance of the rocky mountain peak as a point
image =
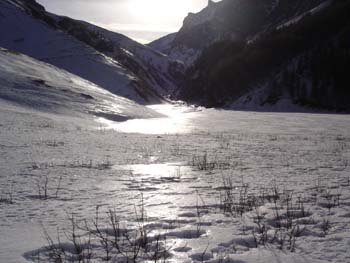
(195, 19)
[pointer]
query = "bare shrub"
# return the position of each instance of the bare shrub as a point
(203, 163)
(325, 226)
(44, 191)
(6, 196)
(90, 164)
(105, 235)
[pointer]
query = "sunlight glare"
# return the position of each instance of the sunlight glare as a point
(158, 10)
(177, 120)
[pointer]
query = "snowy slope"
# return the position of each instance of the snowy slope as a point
(163, 44)
(180, 53)
(22, 32)
(160, 71)
(36, 85)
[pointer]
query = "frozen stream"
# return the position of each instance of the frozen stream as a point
(176, 171)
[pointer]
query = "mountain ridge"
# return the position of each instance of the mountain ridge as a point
(233, 53)
(230, 20)
(138, 73)
(305, 62)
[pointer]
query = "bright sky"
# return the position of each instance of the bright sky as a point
(143, 20)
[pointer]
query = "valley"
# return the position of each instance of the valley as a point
(225, 142)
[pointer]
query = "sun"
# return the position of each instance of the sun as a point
(157, 11)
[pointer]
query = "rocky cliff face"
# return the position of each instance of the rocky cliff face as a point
(206, 15)
(231, 20)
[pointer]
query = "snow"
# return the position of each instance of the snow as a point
(255, 100)
(40, 86)
(23, 33)
(99, 166)
(155, 63)
(184, 55)
(187, 183)
(313, 11)
(163, 44)
(177, 118)
(187, 55)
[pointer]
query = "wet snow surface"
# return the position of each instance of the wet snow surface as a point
(208, 186)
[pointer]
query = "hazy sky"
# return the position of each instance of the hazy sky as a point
(143, 20)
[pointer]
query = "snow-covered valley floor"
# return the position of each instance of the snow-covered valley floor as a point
(211, 186)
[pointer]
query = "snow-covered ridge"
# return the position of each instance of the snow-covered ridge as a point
(160, 71)
(301, 16)
(36, 85)
(163, 44)
(26, 34)
(108, 59)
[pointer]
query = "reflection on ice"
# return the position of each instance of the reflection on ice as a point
(163, 170)
(178, 120)
(164, 186)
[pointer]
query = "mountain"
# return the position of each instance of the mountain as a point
(242, 54)
(304, 60)
(108, 59)
(152, 67)
(229, 19)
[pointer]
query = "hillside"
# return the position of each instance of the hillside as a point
(305, 61)
(108, 59)
(241, 54)
(229, 20)
(26, 82)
